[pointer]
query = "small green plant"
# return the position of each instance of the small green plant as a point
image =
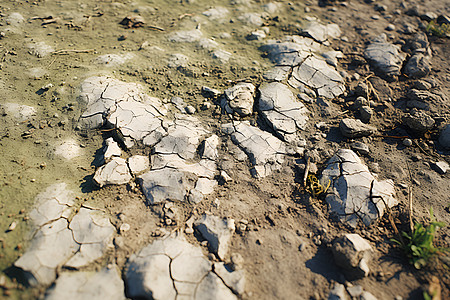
(435, 29)
(418, 245)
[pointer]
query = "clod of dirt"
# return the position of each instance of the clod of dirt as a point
(385, 57)
(352, 128)
(217, 232)
(133, 21)
(352, 253)
(239, 99)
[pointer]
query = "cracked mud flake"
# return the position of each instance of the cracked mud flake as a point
(172, 268)
(93, 231)
(104, 284)
(265, 151)
(317, 74)
(165, 184)
(235, 280)
(321, 32)
(281, 110)
(114, 172)
(56, 240)
(138, 121)
(203, 168)
(53, 203)
(183, 137)
(51, 246)
(209, 147)
(307, 67)
(354, 193)
(291, 51)
(100, 94)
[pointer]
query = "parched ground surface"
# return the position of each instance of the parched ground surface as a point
(85, 78)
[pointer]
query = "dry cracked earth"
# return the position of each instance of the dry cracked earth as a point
(222, 149)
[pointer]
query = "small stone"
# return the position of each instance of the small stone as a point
(418, 121)
(352, 128)
(422, 85)
(355, 291)
(361, 90)
(239, 99)
(190, 109)
(443, 19)
(206, 105)
(365, 114)
(367, 296)
(407, 142)
(385, 57)
(225, 177)
(419, 65)
(352, 253)
(337, 292)
(390, 27)
(380, 7)
(256, 35)
(217, 231)
(237, 261)
(210, 92)
(12, 226)
(124, 227)
(428, 16)
(441, 167)
(361, 148)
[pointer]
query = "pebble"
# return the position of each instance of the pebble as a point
(416, 157)
(441, 167)
(12, 226)
(361, 148)
(355, 291)
(190, 109)
(124, 227)
(379, 7)
(237, 261)
(390, 27)
(365, 113)
(205, 105)
(429, 16)
(407, 142)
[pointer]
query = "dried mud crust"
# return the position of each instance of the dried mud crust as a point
(283, 235)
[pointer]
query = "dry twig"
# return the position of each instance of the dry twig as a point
(305, 176)
(67, 51)
(410, 199)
